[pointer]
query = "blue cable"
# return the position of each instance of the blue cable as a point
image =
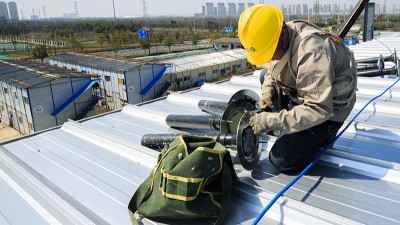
(256, 220)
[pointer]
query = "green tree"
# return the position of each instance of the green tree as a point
(79, 46)
(177, 36)
(168, 42)
(125, 37)
(144, 44)
(214, 36)
(39, 52)
(14, 43)
(195, 39)
(115, 41)
(160, 36)
(101, 39)
(231, 35)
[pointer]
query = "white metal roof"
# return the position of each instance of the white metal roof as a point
(86, 172)
(384, 44)
(205, 60)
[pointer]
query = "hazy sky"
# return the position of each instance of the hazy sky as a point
(134, 8)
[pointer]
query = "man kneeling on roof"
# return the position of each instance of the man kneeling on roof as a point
(309, 86)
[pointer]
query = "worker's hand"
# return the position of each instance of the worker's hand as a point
(266, 101)
(258, 123)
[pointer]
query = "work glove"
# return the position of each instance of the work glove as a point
(258, 123)
(266, 101)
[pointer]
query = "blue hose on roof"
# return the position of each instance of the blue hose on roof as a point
(256, 220)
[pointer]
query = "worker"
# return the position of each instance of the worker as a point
(309, 86)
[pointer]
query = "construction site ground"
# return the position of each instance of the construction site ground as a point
(7, 133)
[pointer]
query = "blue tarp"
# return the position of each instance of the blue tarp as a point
(155, 80)
(74, 97)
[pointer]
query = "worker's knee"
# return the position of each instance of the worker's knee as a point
(285, 165)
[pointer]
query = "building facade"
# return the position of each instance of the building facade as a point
(121, 82)
(35, 97)
(13, 10)
(4, 10)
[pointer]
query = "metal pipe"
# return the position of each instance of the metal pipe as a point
(376, 73)
(159, 141)
(194, 122)
(364, 67)
(374, 59)
(212, 106)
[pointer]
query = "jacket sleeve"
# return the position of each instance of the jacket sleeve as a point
(313, 83)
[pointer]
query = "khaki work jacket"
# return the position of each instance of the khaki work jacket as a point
(315, 75)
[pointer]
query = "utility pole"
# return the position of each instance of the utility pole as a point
(76, 10)
(115, 18)
(44, 13)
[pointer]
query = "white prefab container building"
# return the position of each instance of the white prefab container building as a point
(35, 97)
(192, 71)
(121, 82)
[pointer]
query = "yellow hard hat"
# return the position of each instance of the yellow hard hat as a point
(259, 30)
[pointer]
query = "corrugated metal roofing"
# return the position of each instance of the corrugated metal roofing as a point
(385, 45)
(86, 172)
(205, 60)
(28, 74)
(97, 62)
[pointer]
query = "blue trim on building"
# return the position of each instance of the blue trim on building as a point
(155, 80)
(74, 97)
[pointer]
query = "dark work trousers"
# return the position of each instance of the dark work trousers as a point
(291, 153)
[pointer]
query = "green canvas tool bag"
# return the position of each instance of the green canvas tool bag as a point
(192, 179)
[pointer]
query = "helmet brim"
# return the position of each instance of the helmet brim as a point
(262, 58)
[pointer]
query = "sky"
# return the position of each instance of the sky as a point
(134, 8)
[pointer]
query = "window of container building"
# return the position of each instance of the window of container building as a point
(107, 78)
(25, 99)
(5, 90)
(121, 81)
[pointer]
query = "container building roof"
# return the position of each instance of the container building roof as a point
(86, 172)
(205, 60)
(27, 74)
(97, 62)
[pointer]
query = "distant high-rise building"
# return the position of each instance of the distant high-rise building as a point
(304, 9)
(250, 4)
(335, 8)
(293, 9)
(232, 9)
(240, 8)
(203, 11)
(284, 10)
(384, 7)
(377, 9)
(12, 9)
(210, 9)
(4, 10)
(289, 10)
(34, 17)
(298, 9)
(221, 9)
